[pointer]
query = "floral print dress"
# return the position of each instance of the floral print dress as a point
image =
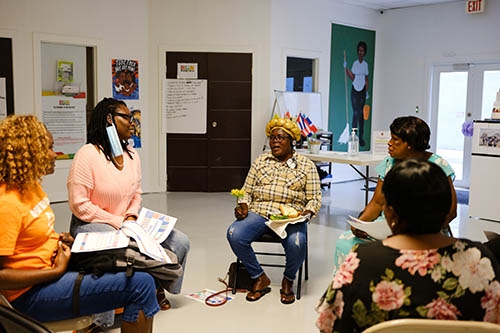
(377, 283)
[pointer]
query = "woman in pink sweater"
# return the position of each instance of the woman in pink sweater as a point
(104, 188)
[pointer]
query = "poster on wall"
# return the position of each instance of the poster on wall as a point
(187, 70)
(125, 75)
(65, 119)
(351, 77)
(3, 98)
(136, 122)
(185, 106)
(65, 71)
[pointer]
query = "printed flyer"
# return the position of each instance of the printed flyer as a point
(125, 75)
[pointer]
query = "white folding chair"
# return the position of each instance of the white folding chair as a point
(433, 326)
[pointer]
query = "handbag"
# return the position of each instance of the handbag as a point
(242, 280)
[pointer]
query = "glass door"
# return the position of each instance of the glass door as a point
(461, 92)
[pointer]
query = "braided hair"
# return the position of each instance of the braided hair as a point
(96, 131)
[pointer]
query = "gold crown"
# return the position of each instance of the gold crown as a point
(287, 125)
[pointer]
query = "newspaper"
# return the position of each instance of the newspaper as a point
(96, 241)
(378, 229)
(149, 231)
(201, 296)
(156, 224)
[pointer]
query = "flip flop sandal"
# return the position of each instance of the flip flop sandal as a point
(284, 297)
(261, 292)
(163, 302)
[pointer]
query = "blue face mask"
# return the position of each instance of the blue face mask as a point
(116, 147)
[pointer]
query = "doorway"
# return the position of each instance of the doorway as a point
(460, 92)
(6, 78)
(218, 160)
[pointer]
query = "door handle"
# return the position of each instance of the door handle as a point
(214, 124)
(469, 114)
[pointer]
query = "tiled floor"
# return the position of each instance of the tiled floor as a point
(204, 217)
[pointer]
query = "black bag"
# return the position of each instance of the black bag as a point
(128, 259)
(244, 281)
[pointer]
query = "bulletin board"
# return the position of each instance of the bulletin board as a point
(184, 106)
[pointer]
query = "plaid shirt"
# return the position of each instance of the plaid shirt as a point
(271, 182)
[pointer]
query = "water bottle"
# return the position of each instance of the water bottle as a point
(353, 143)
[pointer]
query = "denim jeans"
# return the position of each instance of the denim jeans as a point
(53, 301)
(176, 242)
(242, 233)
(358, 99)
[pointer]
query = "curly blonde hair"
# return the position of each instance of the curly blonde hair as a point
(24, 151)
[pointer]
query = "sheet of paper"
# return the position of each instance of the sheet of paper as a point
(96, 241)
(156, 224)
(279, 226)
(376, 229)
(147, 244)
(201, 296)
(380, 140)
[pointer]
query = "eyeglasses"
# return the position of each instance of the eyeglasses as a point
(279, 138)
(128, 117)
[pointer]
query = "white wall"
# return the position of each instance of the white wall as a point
(410, 40)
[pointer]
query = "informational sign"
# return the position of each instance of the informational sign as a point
(3, 98)
(65, 119)
(187, 70)
(474, 6)
(185, 106)
(380, 140)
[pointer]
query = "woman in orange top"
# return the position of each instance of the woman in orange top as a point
(34, 258)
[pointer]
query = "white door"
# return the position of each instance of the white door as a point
(461, 92)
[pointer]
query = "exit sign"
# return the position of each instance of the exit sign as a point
(474, 6)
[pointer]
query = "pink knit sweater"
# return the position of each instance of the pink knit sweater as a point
(99, 192)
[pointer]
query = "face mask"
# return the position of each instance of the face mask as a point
(116, 147)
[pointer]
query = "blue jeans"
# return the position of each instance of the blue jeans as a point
(242, 233)
(53, 301)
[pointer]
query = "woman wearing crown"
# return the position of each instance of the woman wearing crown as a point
(279, 177)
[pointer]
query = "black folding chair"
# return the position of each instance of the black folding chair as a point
(271, 237)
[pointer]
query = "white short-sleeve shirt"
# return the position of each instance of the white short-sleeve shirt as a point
(360, 71)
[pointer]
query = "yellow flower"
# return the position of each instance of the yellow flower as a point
(237, 193)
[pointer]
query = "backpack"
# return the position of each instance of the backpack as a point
(129, 260)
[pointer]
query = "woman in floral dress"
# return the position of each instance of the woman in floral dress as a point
(418, 272)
